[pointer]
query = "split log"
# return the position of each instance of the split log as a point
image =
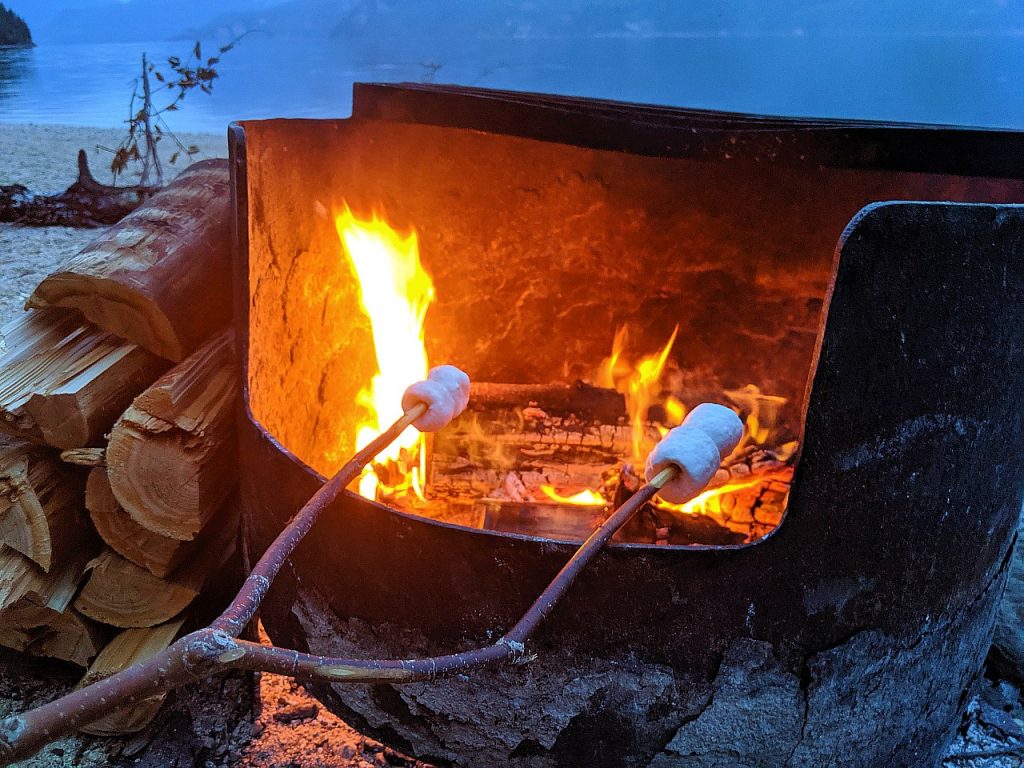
(85, 457)
(585, 401)
(41, 514)
(132, 646)
(122, 594)
(157, 554)
(35, 608)
(161, 277)
(171, 456)
(64, 381)
(86, 203)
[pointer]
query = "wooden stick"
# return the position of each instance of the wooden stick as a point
(129, 647)
(216, 649)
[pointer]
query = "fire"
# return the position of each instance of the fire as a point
(394, 292)
(586, 498)
(639, 385)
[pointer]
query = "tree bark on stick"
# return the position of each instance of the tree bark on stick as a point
(161, 277)
(171, 456)
(127, 648)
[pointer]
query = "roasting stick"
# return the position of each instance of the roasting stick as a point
(216, 648)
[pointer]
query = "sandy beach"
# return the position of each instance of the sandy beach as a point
(43, 158)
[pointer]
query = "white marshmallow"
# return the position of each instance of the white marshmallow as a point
(706, 436)
(694, 452)
(721, 424)
(446, 393)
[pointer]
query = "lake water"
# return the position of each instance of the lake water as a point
(943, 79)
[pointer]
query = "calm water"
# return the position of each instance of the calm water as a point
(966, 80)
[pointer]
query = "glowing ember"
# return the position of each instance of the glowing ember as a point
(585, 498)
(394, 292)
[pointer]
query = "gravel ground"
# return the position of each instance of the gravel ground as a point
(274, 723)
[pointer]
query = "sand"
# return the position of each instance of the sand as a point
(43, 159)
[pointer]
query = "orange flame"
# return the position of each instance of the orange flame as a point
(639, 384)
(585, 498)
(394, 292)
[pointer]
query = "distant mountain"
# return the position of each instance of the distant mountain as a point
(648, 18)
(13, 29)
(66, 21)
(130, 21)
(294, 18)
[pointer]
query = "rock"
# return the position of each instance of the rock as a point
(296, 712)
(1009, 633)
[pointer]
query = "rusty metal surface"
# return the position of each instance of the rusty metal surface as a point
(900, 520)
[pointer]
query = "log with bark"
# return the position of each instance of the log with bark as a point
(161, 277)
(64, 382)
(36, 613)
(132, 646)
(41, 511)
(171, 458)
(86, 203)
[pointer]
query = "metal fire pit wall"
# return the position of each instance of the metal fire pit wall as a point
(849, 637)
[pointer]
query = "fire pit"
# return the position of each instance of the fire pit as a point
(603, 267)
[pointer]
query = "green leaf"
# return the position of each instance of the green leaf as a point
(173, 158)
(192, 149)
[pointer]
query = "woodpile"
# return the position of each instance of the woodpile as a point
(117, 458)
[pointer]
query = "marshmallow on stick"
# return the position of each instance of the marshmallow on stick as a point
(446, 394)
(697, 446)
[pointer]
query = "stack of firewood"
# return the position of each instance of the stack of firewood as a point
(117, 466)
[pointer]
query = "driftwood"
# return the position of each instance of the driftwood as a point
(171, 456)
(41, 513)
(86, 203)
(161, 277)
(64, 381)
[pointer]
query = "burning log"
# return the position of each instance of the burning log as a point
(132, 646)
(171, 454)
(64, 382)
(161, 276)
(587, 402)
(157, 554)
(41, 512)
(35, 608)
